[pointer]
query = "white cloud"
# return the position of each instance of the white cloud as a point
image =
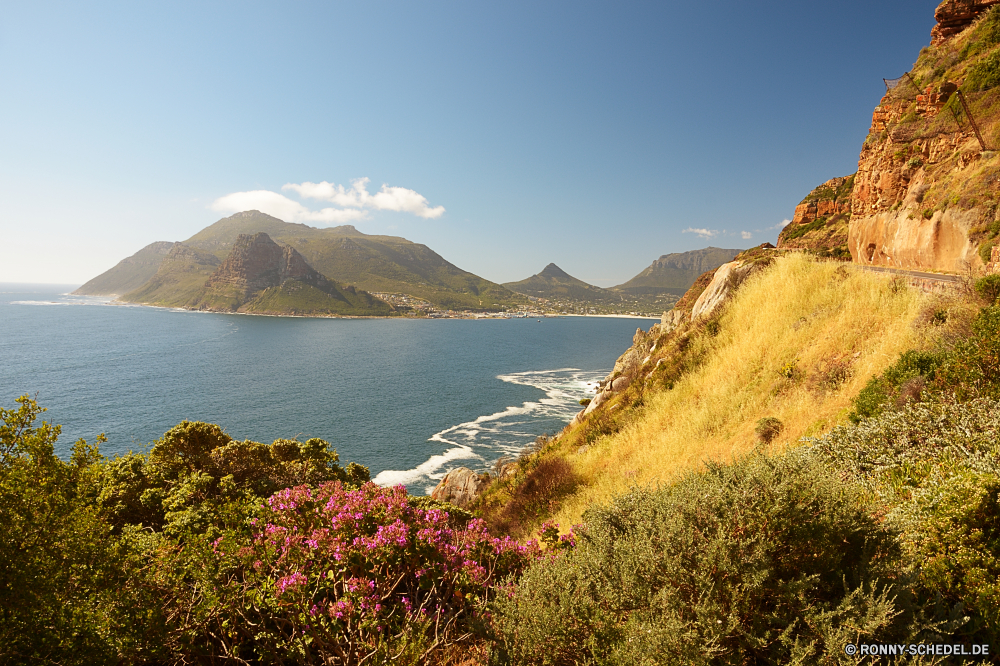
(704, 233)
(351, 203)
(746, 235)
(399, 199)
(781, 225)
(282, 207)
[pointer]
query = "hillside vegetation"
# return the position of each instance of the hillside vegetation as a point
(798, 342)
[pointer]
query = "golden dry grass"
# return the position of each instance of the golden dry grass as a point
(831, 328)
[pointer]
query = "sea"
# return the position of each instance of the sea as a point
(408, 398)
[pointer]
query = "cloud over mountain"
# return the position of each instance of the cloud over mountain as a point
(352, 203)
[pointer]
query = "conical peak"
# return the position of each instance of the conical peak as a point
(553, 271)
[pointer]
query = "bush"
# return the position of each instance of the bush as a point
(339, 576)
(767, 560)
(952, 530)
(768, 428)
(884, 391)
(985, 74)
(988, 288)
(986, 251)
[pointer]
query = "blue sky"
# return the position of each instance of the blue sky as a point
(587, 134)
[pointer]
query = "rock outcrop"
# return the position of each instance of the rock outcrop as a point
(724, 283)
(820, 222)
(460, 487)
(256, 263)
(954, 16)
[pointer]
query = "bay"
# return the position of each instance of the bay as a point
(408, 398)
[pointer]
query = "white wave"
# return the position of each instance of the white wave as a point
(392, 477)
(506, 432)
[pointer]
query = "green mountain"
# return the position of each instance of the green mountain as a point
(129, 273)
(675, 273)
(257, 276)
(179, 279)
(555, 283)
(373, 263)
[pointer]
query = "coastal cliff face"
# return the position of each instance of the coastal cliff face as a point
(955, 16)
(925, 196)
(820, 222)
(256, 263)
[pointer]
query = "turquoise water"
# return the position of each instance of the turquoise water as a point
(408, 398)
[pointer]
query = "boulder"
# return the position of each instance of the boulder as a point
(621, 383)
(725, 281)
(598, 400)
(460, 486)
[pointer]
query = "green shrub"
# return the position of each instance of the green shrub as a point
(952, 530)
(972, 368)
(884, 391)
(989, 287)
(768, 428)
(986, 250)
(985, 74)
(768, 560)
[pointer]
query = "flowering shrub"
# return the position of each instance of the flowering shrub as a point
(341, 576)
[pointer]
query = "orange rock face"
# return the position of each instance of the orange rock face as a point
(954, 16)
(257, 262)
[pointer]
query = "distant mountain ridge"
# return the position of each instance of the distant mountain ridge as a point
(257, 276)
(675, 273)
(554, 283)
(343, 254)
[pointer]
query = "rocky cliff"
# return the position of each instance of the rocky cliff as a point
(926, 192)
(260, 276)
(820, 222)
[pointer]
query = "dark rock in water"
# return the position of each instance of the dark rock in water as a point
(460, 486)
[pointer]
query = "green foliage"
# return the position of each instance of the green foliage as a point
(985, 36)
(934, 470)
(57, 566)
(952, 529)
(800, 230)
(986, 251)
(768, 428)
(767, 560)
(988, 287)
(902, 381)
(985, 74)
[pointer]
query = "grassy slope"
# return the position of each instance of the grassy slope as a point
(372, 263)
(130, 273)
(299, 298)
(179, 280)
(791, 332)
(675, 273)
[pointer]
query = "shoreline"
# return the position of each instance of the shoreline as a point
(446, 315)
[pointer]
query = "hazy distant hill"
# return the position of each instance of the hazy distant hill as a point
(347, 256)
(129, 273)
(555, 283)
(675, 273)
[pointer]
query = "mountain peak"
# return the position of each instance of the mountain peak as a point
(553, 271)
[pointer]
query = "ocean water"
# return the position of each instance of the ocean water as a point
(408, 398)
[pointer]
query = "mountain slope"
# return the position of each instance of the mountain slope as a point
(259, 276)
(129, 273)
(179, 279)
(555, 283)
(675, 273)
(373, 263)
